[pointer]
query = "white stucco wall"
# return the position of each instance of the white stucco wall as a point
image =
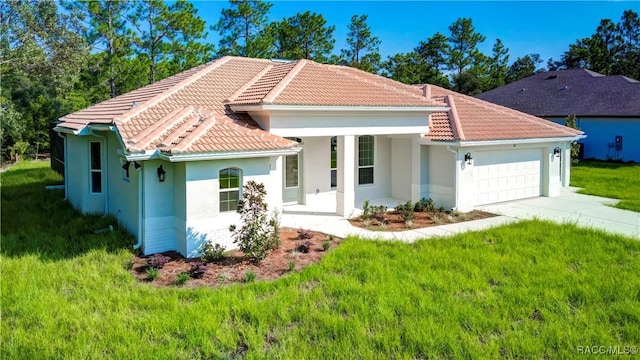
(159, 211)
(204, 222)
(441, 176)
(381, 188)
(602, 131)
(78, 150)
(123, 192)
(316, 166)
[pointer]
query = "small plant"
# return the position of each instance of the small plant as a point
(406, 211)
(158, 261)
(274, 223)
(221, 278)
(331, 237)
(212, 252)
(152, 273)
(129, 264)
(198, 269)
(182, 278)
(292, 265)
(326, 245)
(304, 247)
(424, 205)
(441, 209)
(304, 234)
(249, 276)
(379, 212)
(367, 210)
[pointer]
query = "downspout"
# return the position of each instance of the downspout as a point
(455, 176)
(106, 170)
(66, 171)
(140, 210)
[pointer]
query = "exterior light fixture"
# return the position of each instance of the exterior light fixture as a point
(556, 152)
(125, 167)
(161, 174)
(137, 165)
(468, 158)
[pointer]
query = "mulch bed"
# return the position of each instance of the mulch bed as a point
(392, 221)
(235, 265)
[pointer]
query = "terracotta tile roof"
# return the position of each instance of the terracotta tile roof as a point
(471, 119)
(311, 83)
(186, 112)
(565, 92)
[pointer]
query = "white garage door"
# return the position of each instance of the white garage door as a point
(507, 175)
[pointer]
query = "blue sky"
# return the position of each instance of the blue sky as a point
(543, 27)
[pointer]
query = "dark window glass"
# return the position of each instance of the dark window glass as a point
(96, 182)
(95, 156)
(291, 163)
(365, 159)
(365, 176)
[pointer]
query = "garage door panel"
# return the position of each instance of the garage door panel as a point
(507, 175)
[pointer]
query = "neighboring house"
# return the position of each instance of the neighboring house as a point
(169, 160)
(607, 108)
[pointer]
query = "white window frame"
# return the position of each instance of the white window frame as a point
(229, 190)
(331, 144)
(98, 170)
(373, 161)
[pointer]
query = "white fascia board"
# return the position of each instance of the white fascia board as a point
(227, 155)
(65, 130)
(341, 131)
(502, 142)
(321, 108)
(141, 156)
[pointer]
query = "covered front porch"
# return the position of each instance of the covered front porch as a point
(336, 174)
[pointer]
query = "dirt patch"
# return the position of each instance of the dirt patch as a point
(392, 220)
(235, 266)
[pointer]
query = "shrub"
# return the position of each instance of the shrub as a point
(326, 245)
(152, 273)
(158, 261)
(441, 209)
(274, 222)
(292, 265)
(406, 211)
(330, 237)
(379, 212)
(212, 252)
(424, 204)
(367, 211)
(304, 247)
(198, 269)
(182, 278)
(304, 234)
(249, 276)
(255, 236)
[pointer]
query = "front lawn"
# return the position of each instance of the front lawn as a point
(612, 180)
(528, 290)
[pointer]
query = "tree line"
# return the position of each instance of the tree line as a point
(59, 57)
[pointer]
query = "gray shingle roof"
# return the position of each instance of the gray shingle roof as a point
(565, 92)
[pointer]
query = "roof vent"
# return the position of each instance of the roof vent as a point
(565, 87)
(134, 104)
(554, 76)
(523, 89)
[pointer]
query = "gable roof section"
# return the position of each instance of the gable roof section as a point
(565, 92)
(471, 119)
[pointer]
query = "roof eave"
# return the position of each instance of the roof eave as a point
(341, 108)
(226, 155)
(461, 143)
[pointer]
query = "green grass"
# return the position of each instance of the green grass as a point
(612, 180)
(468, 296)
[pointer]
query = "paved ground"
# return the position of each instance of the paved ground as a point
(584, 210)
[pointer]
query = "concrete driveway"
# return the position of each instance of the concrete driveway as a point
(583, 210)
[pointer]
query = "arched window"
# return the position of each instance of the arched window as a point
(230, 183)
(365, 159)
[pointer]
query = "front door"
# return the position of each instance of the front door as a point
(292, 178)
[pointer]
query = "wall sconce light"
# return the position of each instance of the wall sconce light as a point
(556, 152)
(161, 174)
(468, 158)
(137, 165)
(125, 167)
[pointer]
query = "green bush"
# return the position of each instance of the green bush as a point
(326, 245)
(406, 211)
(152, 273)
(425, 205)
(249, 276)
(212, 252)
(182, 278)
(255, 236)
(367, 211)
(292, 265)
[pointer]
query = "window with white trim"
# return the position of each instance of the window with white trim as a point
(95, 168)
(365, 159)
(334, 162)
(230, 180)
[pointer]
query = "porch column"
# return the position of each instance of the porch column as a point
(566, 164)
(416, 167)
(345, 194)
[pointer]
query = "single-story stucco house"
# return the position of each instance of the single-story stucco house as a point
(607, 108)
(169, 160)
